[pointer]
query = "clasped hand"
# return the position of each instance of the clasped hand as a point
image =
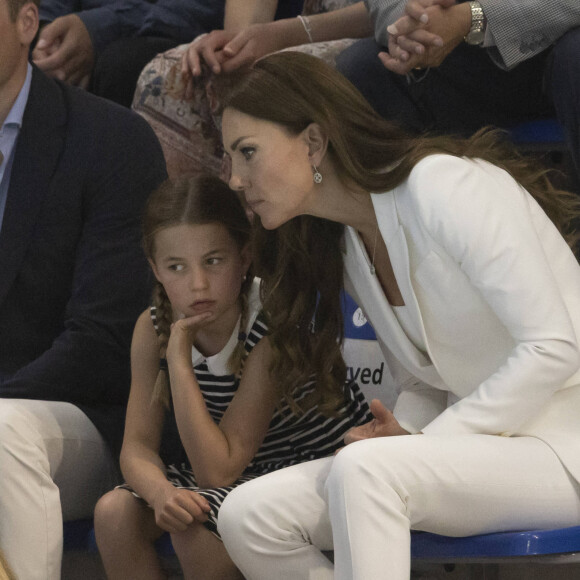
(384, 424)
(425, 35)
(176, 508)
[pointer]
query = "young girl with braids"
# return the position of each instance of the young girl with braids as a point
(204, 414)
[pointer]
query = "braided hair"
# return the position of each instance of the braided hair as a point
(193, 201)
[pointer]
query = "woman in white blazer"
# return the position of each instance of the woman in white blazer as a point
(474, 295)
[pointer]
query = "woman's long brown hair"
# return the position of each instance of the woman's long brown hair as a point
(301, 263)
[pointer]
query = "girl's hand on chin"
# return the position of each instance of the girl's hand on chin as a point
(182, 337)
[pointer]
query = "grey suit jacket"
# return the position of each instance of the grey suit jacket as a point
(517, 29)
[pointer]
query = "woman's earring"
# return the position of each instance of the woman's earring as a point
(317, 177)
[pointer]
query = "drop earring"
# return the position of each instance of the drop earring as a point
(317, 176)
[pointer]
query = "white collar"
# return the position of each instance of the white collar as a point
(218, 363)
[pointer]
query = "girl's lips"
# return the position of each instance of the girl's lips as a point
(202, 305)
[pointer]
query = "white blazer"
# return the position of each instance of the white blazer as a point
(496, 292)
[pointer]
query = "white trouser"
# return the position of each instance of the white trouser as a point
(364, 501)
(54, 464)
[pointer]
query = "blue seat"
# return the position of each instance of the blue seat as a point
(426, 546)
(544, 133)
(554, 546)
(539, 546)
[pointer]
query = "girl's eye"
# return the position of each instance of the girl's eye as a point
(247, 152)
(213, 261)
(176, 267)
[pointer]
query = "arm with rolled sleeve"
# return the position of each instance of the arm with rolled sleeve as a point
(516, 29)
(480, 219)
(520, 29)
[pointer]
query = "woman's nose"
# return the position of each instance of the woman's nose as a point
(236, 182)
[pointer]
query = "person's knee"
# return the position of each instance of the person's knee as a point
(566, 52)
(383, 463)
(360, 64)
(236, 513)
(111, 513)
(16, 427)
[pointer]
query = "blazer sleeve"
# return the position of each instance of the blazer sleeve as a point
(111, 21)
(521, 29)
(88, 363)
(480, 217)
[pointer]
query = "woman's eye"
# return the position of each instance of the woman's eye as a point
(176, 267)
(247, 152)
(213, 261)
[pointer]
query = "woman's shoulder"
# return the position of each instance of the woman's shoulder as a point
(444, 169)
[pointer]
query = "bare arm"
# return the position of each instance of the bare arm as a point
(219, 453)
(258, 40)
(242, 13)
(140, 462)
(255, 41)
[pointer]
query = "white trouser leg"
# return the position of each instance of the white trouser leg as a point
(471, 484)
(276, 525)
(51, 455)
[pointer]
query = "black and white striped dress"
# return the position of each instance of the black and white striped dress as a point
(290, 438)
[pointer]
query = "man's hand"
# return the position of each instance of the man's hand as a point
(384, 424)
(426, 34)
(176, 509)
(64, 50)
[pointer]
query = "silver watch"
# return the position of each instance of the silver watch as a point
(476, 33)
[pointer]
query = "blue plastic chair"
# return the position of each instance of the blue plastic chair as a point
(539, 135)
(557, 546)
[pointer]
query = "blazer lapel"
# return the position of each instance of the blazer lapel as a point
(38, 149)
(370, 293)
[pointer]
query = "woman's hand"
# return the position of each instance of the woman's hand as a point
(207, 48)
(176, 509)
(182, 337)
(384, 424)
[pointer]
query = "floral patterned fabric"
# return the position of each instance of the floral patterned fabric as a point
(189, 128)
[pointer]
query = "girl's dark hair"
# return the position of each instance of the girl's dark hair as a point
(193, 201)
(301, 262)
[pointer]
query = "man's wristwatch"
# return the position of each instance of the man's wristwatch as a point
(476, 33)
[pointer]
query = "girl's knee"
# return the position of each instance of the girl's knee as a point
(111, 511)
